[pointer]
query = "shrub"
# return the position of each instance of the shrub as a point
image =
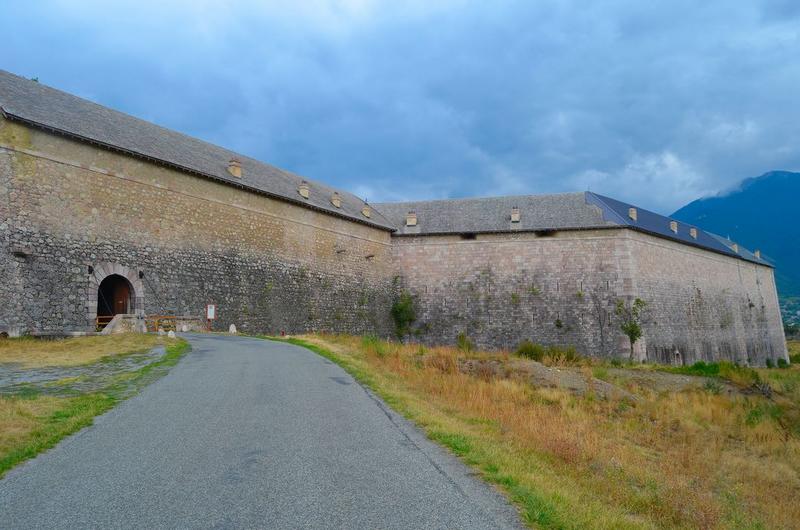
(700, 368)
(563, 355)
(782, 363)
(631, 320)
(530, 350)
(373, 344)
(403, 314)
(739, 375)
(769, 363)
(464, 343)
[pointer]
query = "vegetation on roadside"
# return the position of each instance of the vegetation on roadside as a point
(403, 314)
(549, 355)
(32, 352)
(794, 351)
(630, 316)
(697, 458)
(32, 421)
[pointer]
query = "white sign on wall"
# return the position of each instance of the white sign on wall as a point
(211, 312)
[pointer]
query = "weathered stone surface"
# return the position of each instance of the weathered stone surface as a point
(72, 213)
(561, 289)
(182, 241)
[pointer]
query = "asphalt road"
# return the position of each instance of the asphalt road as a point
(245, 433)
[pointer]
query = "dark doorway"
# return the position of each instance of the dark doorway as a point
(114, 296)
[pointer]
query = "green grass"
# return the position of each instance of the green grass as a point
(69, 415)
(31, 423)
(739, 375)
(794, 351)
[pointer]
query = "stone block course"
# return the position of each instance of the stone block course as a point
(269, 266)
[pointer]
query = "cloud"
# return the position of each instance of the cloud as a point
(655, 102)
(657, 179)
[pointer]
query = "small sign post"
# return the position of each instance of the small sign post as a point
(211, 314)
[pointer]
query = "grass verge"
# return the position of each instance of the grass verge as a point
(33, 422)
(31, 352)
(690, 459)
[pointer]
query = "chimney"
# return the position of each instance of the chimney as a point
(304, 190)
(411, 219)
(515, 214)
(673, 225)
(235, 168)
(757, 254)
(366, 210)
(632, 213)
(693, 233)
(336, 199)
(735, 247)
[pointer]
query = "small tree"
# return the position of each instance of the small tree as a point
(631, 320)
(403, 314)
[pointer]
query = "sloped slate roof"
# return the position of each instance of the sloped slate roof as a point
(42, 106)
(38, 105)
(567, 211)
(493, 214)
(659, 225)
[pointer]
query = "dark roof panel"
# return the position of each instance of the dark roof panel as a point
(493, 214)
(39, 105)
(566, 211)
(42, 106)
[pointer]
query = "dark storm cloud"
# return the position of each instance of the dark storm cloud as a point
(653, 103)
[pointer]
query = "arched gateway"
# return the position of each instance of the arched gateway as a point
(113, 289)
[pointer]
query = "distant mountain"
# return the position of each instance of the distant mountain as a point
(762, 213)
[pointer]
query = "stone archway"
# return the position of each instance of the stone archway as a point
(115, 296)
(110, 271)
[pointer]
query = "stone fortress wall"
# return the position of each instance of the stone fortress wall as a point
(561, 289)
(267, 264)
(705, 306)
(72, 213)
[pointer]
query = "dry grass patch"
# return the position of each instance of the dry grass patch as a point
(36, 353)
(31, 422)
(694, 458)
(794, 350)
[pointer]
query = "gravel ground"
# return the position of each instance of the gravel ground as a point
(245, 433)
(57, 380)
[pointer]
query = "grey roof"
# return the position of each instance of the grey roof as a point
(659, 225)
(36, 104)
(493, 214)
(567, 211)
(41, 106)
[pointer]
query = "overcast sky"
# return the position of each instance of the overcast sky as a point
(656, 103)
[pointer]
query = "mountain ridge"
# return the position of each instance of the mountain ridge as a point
(759, 213)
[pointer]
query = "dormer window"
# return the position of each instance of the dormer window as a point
(304, 190)
(235, 168)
